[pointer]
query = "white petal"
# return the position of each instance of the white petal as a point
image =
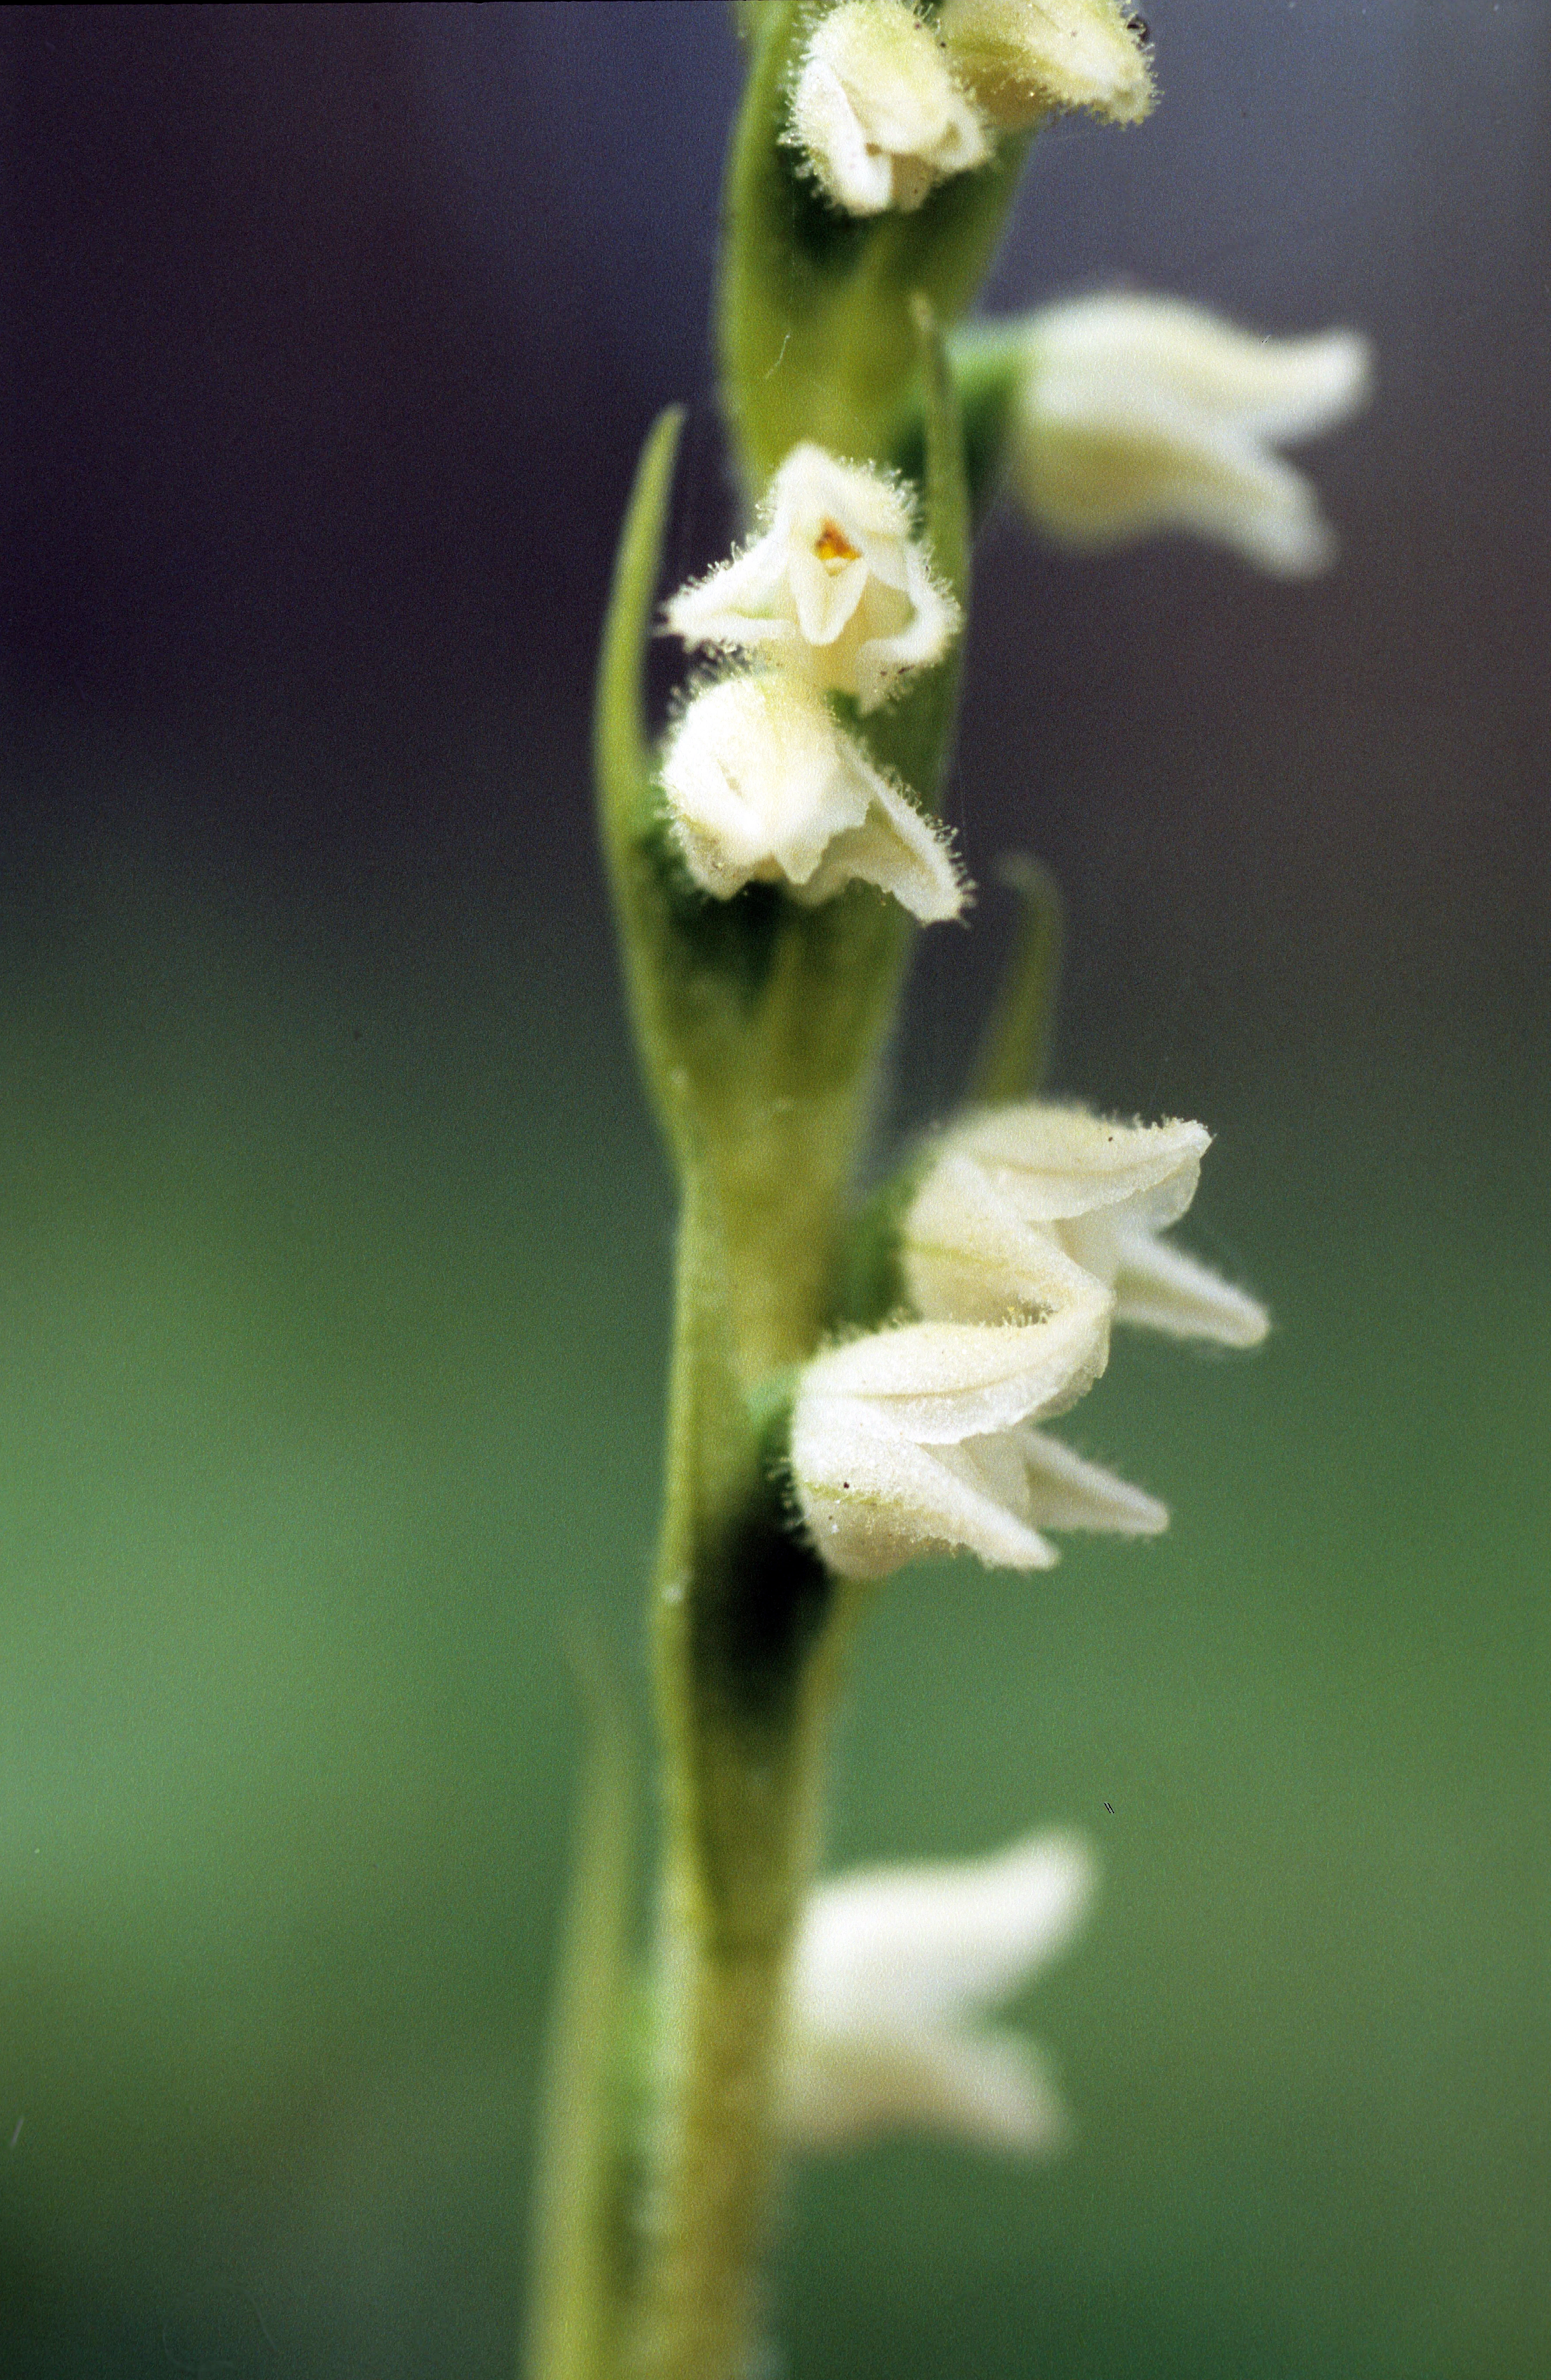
(734, 606)
(899, 103)
(989, 2088)
(873, 1503)
(1052, 1162)
(1123, 345)
(760, 782)
(897, 850)
(969, 1257)
(1065, 1492)
(826, 127)
(1137, 414)
(937, 1382)
(910, 1946)
(1023, 58)
(1164, 1288)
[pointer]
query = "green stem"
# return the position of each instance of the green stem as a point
(744, 1669)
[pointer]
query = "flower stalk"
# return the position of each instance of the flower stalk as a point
(854, 1384)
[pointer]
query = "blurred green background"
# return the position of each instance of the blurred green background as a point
(334, 1239)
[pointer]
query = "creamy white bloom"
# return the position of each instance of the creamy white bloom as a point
(1022, 59)
(1138, 414)
(877, 111)
(919, 1440)
(1018, 1195)
(893, 1970)
(836, 592)
(762, 785)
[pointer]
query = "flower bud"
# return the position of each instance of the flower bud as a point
(876, 110)
(763, 785)
(1024, 59)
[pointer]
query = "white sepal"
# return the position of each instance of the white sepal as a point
(1138, 414)
(836, 590)
(762, 785)
(876, 110)
(1024, 59)
(892, 1970)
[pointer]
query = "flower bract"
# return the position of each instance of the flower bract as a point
(836, 590)
(895, 1969)
(876, 110)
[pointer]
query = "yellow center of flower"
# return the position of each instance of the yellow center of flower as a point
(832, 545)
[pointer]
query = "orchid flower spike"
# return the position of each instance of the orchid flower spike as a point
(1016, 1191)
(1024, 59)
(836, 592)
(893, 1968)
(1138, 414)
(762, 784)
(919, 1440)
(877, 111)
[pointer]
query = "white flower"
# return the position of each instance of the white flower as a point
(1138, 414)
(1024, 59)
(1018, 1194)
(761, 783)
(894, 1967)
(877, 111)
(918, 1440)
(836, 592)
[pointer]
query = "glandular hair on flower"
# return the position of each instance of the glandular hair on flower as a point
(877, 111)
(836, 590)
(1027, 59)
(763, 785)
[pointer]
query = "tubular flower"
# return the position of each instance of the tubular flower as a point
(919, 1440)
(836, 592)
(1023, 59)
(1018, 1194)
(762, 785)
(876, 110)
(1138, 414)
(893, 1968)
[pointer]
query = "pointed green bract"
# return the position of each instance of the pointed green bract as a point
(1015, 1051)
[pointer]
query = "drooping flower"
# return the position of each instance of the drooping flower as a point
(877, 111)
(919, 1440)
(1138, 414)
(894, 1967)
(836, 590)
(1025, 59)
(1017, 1194)
(762, 785)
